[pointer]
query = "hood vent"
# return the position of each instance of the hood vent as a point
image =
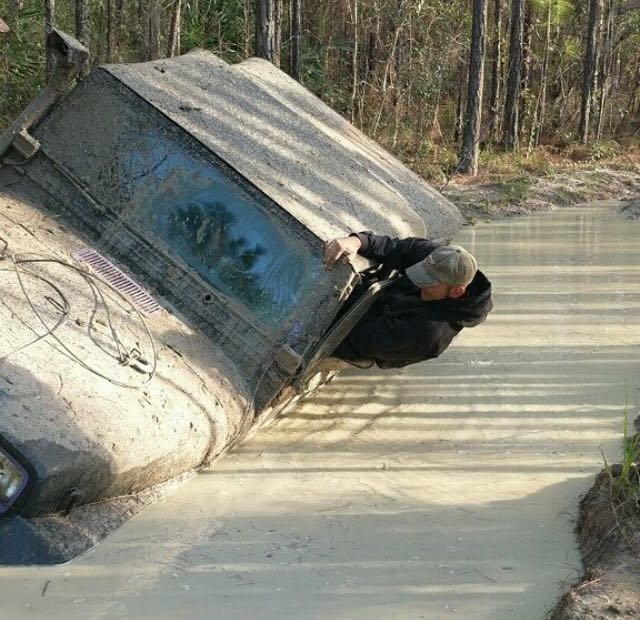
(104, 268)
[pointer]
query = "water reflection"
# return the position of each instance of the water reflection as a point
(203, 233)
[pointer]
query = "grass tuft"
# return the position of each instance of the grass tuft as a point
(625, 476)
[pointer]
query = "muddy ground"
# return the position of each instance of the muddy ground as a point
(631, 209)
(609, 537)
(608, 528)
(523, 195)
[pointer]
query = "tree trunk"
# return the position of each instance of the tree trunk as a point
(496, 71)
(174, 33)
(110, 29)
(511, 120)
(117, 25)
(268, 25)
(607, 63)
(83, 31)
(368, 75)
(595, 88)
(153, 30)
(542, 98)
(589, 70)
(278, 32)
(49, 23)
(295, 55)
(388, 75)
(354, 59)
(471, 139)
(527, 36)
(248, 30)
(457, 130)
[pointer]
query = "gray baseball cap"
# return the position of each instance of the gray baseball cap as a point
(448, 264)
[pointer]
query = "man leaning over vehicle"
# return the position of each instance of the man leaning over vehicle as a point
(440, 291)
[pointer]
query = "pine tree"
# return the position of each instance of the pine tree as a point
(511, 109)
(471, 139)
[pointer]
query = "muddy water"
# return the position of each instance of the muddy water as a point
(447, 489)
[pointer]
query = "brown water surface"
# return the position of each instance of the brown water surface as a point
(447, 489)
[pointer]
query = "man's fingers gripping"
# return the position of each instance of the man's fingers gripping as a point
(333, 252)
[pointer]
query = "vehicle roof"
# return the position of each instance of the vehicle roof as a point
(293, 147)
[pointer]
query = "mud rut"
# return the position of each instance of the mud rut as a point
(444, 490)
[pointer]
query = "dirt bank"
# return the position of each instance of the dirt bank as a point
(609, 536)
(522, 195)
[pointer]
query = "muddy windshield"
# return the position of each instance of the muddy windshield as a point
(162, 185)
(196, 212)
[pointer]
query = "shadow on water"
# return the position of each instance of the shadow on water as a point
(357, 561)
(524, 401)
(363, 554)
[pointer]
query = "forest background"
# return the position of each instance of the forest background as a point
(501, 87)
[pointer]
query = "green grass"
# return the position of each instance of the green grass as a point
(627, 481)
(625, 476)
(517, 190)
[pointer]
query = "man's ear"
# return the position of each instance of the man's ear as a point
(457, 291)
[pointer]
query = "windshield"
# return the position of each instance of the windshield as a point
(179, 197)
(193, 210)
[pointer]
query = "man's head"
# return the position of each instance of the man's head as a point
(3, 27)
(445, 273)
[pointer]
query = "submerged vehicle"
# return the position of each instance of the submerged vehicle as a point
(163, 294)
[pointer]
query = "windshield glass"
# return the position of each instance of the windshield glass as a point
(198, 213)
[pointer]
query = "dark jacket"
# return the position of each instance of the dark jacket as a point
(400, 328)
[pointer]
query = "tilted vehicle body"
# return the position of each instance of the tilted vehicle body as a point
(202, 193)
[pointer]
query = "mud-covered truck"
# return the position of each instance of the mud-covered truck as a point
(161, 283)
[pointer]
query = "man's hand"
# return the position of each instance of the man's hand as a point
(342, 249)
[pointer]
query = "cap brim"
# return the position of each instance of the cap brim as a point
(419, 275)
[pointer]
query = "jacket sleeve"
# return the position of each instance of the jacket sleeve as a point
(394, 253)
